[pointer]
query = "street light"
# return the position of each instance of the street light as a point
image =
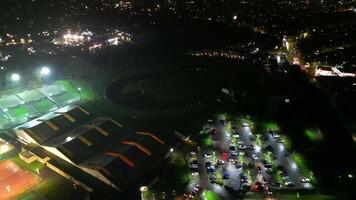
(45, 71)
(15, 77)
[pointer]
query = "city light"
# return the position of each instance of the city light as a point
(350, 176)
(171, 150)
(15, 77)
(45, 71)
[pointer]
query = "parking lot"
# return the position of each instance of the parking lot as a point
(240, 160)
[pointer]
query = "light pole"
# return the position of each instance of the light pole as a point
(79, 89)
(15, 77)
(45, 71)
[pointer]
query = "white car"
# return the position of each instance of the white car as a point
(220, 162)
(240, 142)
(305, 180)
(193, 153)
(208, 155)
(195, 173)
(245, 124)
(242, 147)
(289, 183)
(254, 156)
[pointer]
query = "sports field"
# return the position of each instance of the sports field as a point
(13, 180)
(4, 119)
(19, 107)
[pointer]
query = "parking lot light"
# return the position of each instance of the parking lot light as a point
(45, 71)
(15, 77)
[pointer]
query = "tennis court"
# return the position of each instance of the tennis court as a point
(43, 105)
(4, 119)
(19, 107)
(14, 180)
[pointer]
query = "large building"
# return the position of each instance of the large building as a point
(101, 147)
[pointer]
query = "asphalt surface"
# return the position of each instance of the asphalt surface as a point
(222, 142)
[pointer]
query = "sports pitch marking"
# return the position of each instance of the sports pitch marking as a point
(14, 180)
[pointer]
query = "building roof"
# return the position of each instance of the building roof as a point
(129, 159)
(93, 140)
(101, 144)
(46, 128)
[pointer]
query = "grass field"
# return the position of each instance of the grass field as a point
(56, 188)
(64, 98)
(43, 105)
(30, 95)
(4, 119)
(9, 101)
(29, 167)
(20, 112)
(209, 195)
(18, 106)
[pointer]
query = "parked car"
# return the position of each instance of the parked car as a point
(232, 148)
(195, 173)
(220, 162)
(238, 165)
(225, 174)
(193, 164)
(276, 184)
(208, 155)
(305, 180)
(289, 184)
(254, 156)
(242, 147)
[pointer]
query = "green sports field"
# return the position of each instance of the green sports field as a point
(43, 105)
(18, 107)
(20, 113)
(64, 98)
(4, 119)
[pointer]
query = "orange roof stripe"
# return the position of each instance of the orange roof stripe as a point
(69, 117)
(52, 125)
(139, 146)
(97, 167)
(84, 111)
(122, 157)
(102, 131)
(151, 135)
(85, 140)
(117, 123)
(33, 134)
